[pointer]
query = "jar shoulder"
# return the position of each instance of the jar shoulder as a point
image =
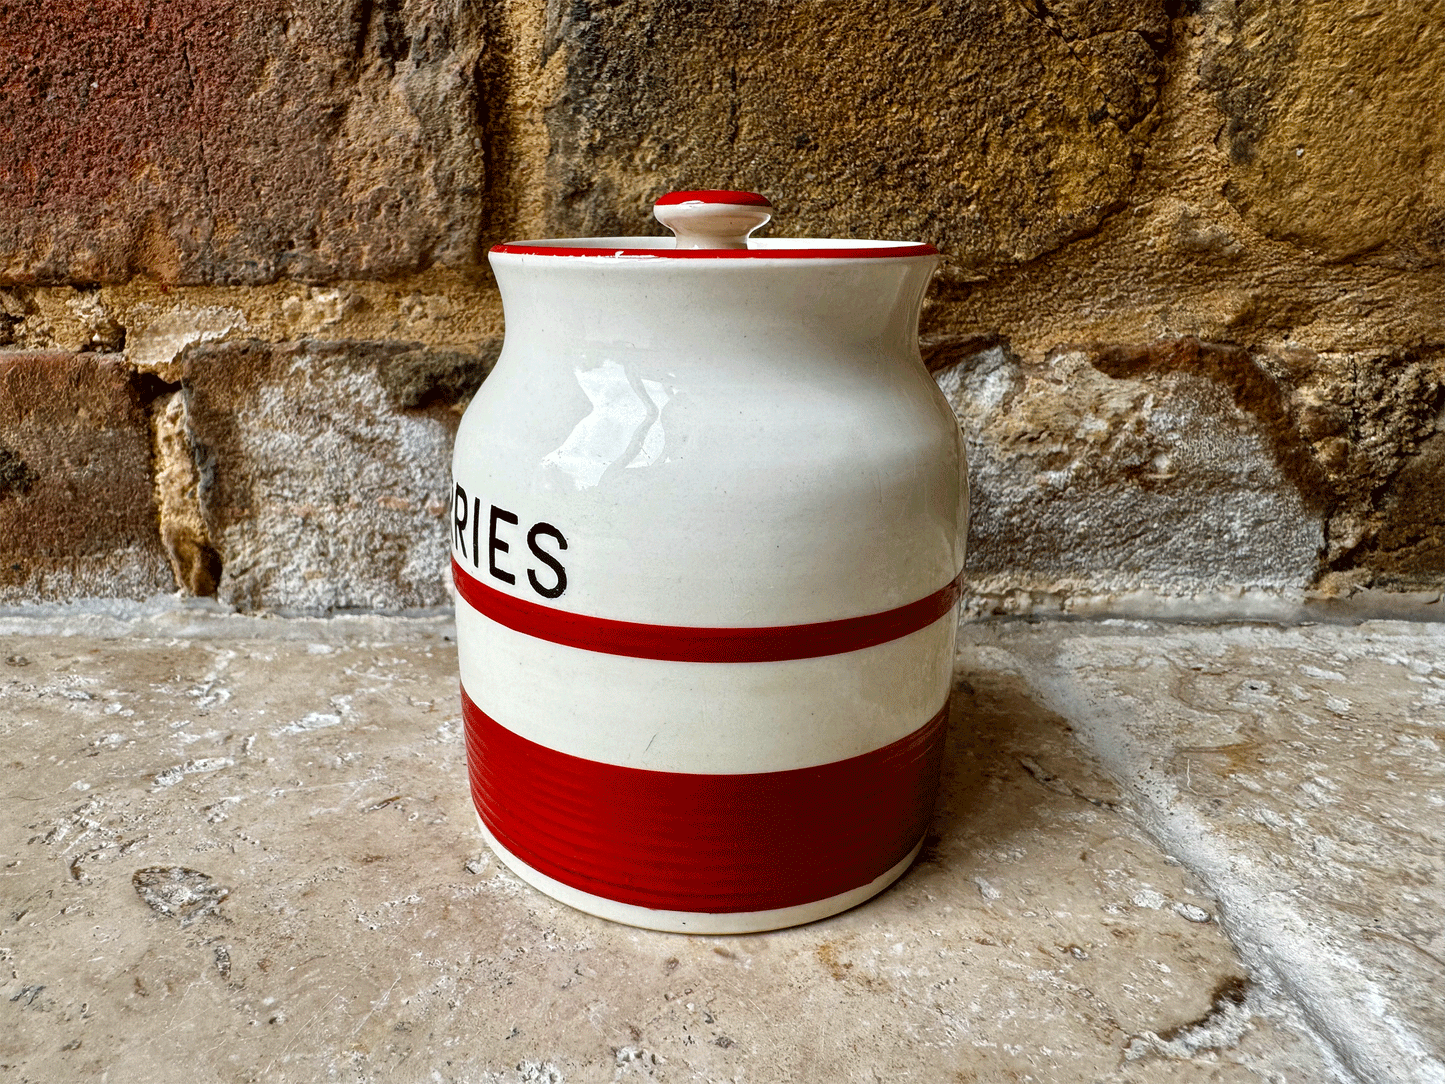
(734, 498)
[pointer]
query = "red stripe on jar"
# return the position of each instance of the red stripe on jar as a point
(683, 643)
(712, 844)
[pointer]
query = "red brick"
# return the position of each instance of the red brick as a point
(236, 143)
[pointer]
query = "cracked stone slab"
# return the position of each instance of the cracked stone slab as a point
(255, 859)
(1298, 771)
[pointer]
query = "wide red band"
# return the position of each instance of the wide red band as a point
(713, 844)
(680, 643)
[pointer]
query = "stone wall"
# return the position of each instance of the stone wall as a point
(1192, 313)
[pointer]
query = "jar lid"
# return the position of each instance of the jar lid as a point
(714, 224)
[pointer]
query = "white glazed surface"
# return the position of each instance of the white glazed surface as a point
(712, 225)
(716, 717)
(722, 443)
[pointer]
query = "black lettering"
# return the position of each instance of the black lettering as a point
(476, 526)
(494, 544)
(460, 519)
(547, 559)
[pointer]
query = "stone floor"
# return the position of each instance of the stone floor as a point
(242, 850)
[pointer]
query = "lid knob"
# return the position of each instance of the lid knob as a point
(712, 218)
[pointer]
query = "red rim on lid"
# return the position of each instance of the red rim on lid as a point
(713, 224)
(715, 195)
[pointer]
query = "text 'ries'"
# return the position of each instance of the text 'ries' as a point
(469, 541)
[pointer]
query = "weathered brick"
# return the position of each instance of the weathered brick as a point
(76, 513)
(987, 128)
(1335, 123)
(324, 469)
(214, 142)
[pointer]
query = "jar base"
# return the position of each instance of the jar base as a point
(695, 921)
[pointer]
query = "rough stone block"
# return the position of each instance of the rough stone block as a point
(1410, 544)
(1181, 466)
(994, 129)
(323, 469)
(1170, 468)
(1375, 424)
(1335, 123)
(215, 142)
(76, 513)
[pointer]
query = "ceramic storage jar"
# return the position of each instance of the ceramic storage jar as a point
(707, 528)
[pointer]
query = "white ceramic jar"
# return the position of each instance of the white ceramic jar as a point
(708, 522)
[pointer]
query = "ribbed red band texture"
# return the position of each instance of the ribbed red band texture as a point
(713, 844)
(677, 643)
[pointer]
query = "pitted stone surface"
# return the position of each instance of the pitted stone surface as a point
(1333, 124)
(254, 859)
(1183, 467)
(324, 469)
(1088, 478)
